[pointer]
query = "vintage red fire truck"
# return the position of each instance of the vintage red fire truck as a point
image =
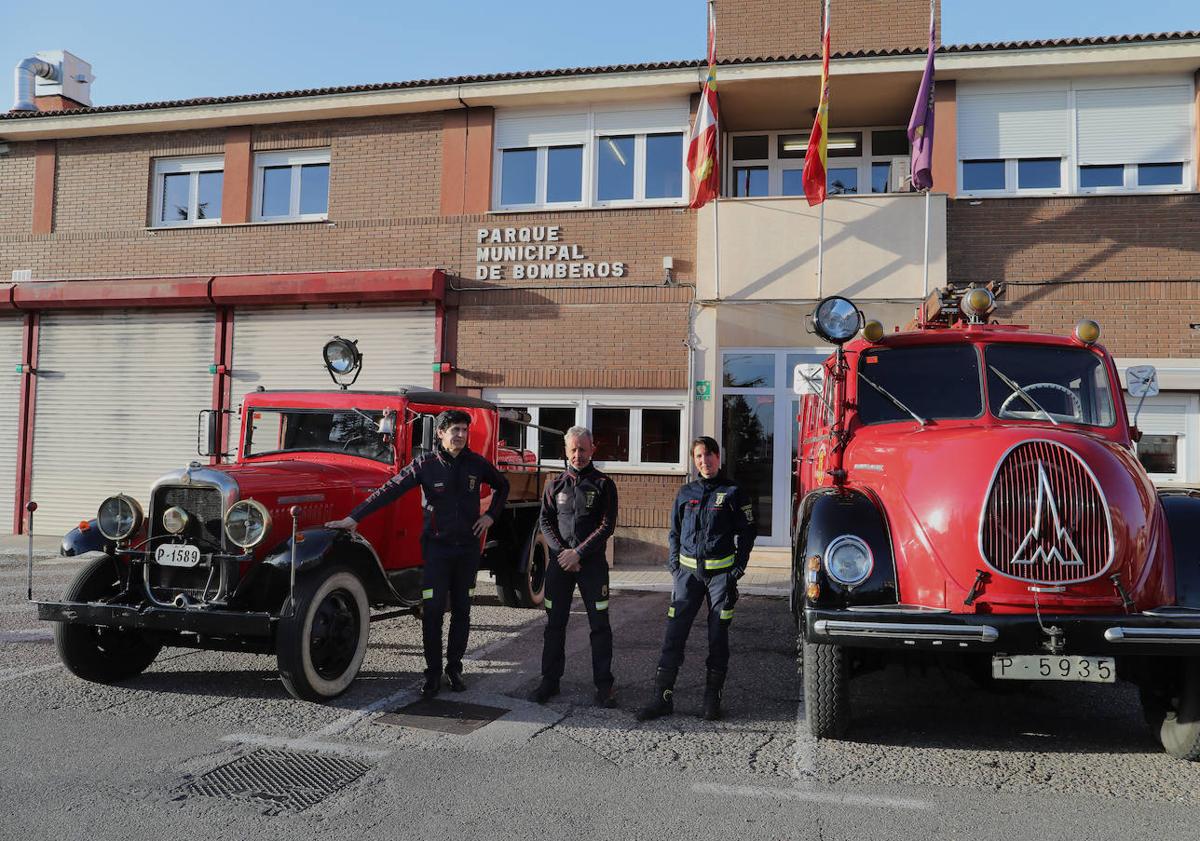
(970, 491)
(236, 557)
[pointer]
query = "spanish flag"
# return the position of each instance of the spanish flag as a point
(704, 173)
(815, 158)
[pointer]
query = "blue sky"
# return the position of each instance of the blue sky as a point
(146, 51)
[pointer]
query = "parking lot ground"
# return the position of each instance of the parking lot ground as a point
(209, 742)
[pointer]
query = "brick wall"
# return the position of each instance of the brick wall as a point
(1130, 262)
(763, 28)
(16, 190)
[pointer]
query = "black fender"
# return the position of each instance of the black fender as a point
(319, 546)
(507, 552)
(828, 513)
(80, 540)
(1183, 523)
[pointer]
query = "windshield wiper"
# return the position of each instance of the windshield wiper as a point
(1025, 394)
(893, 398)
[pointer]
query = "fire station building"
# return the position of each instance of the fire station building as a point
(526, 238)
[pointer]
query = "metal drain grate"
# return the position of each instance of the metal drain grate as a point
(279, 780)
(454, 717)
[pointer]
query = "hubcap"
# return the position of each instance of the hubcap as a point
(334, 638)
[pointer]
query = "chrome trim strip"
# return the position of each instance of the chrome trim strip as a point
(1112, 544)
(902, 631)
(1153, 635)
(1172, 611)
(902, 609)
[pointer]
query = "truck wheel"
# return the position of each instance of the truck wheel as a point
(320, 646)
(525, 586)
(1174, 714)
(826, 695)
(101, 655)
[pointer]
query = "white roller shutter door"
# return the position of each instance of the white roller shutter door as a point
(11, 333)
(280, 348)
(117, 397)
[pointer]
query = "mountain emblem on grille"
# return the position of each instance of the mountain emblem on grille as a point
(1062, 547)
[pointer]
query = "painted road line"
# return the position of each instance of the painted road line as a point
(6, 677)
(811, 796)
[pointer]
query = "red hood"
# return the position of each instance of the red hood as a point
(268, 481)
(933, 485)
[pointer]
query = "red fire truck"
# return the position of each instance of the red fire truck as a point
(236, 557)
(970, 491)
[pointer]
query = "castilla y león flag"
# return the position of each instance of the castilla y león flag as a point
(816, 156)
(703, 171)
(920, 124)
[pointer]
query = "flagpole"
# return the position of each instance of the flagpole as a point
(821, 253)
(712, 18)
(717, 239)
(926, 279)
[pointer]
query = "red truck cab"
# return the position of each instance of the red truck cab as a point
(970, 491)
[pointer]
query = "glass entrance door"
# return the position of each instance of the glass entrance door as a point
(758, 431)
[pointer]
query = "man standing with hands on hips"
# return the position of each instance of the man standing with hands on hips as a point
(712, 533)
(450, 478)
(579, 513)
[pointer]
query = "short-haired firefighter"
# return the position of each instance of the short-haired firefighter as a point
(450, 477)
(579, 514)
(712, 533)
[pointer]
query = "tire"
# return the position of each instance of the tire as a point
(526, 585)
(826, 695)
(320, 646)
(1174, 714)
(98, 654)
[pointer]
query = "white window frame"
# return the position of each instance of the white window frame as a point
(192, 166)
(1011, 185)
(590, 139)
(295, 158)
(777, 165)
(584, 402)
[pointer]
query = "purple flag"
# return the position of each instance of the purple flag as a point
(920, 124)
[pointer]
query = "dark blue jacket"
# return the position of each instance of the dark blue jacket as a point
(712, 521)
(579, 511)
(450, 490)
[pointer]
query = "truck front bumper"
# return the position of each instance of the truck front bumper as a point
(196, 620)
(1165, 631)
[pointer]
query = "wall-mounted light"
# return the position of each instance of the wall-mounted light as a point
(668, 269)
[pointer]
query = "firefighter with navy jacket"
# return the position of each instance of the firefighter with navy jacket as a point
(579, 513)
(712, 533)
(450, 478)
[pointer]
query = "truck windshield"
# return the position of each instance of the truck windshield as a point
(938, 382)
(317, 430)
(1056, 384)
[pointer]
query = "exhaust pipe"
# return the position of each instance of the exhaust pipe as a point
(24, 79)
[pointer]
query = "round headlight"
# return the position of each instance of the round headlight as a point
(873, 331)
(119, 517)
(978, 302)
(247, 523)
(1087, 331)
(175, 520)
(342, 356)
(848, 560)
(836, 320)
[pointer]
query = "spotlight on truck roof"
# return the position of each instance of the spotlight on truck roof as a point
(343, 359)
(873, 331)
(1087, 331)
(977, 303)
(836, 319)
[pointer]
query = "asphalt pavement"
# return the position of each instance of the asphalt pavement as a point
(209, 743)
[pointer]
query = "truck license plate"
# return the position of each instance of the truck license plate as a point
(177, 555)
(1049, 667)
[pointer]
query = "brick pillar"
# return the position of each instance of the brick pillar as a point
(238, 186)
(45, 163)
(945, 138)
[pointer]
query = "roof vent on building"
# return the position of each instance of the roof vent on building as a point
(52, 80)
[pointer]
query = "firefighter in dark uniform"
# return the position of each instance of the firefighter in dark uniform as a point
(712, 533)
(450, 478)
(579, 513)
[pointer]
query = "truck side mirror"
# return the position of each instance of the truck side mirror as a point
(1141, 381)
(808, 378)
(206, 433)
(427, 436)
(387, 424)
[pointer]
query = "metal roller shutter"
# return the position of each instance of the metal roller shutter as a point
(117, 397)
(280, 348)
(11, 333)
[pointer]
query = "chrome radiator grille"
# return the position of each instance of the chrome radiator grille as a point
(1045, 519)
(203, 505)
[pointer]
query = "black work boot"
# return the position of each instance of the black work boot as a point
(455, 678)
(712, 695)
(606, 696)
(433, 685)
(663, 702)
(546, 690)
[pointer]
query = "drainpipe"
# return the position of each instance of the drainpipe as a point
(24, 79)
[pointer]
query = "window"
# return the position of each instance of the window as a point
(947, 386)
(291, 186)
(590, 158)
(772, 163)
(632, 431)
(187, 191)
(1159, 453)
(1012, 176)
(1068, 384)
(317, 431)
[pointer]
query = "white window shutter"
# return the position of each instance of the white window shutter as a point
(519, 132)
(1135, 125)
(1021, 124)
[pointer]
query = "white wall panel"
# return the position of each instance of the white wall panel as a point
(11, 332)
(280, 348)
(118, 393)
